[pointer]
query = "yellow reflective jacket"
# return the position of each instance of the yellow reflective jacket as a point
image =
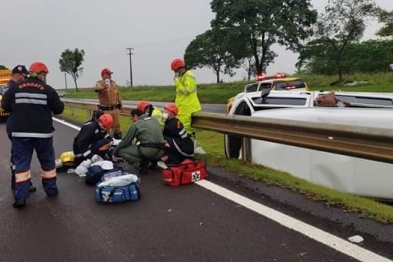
(186, 93)
(157, 113)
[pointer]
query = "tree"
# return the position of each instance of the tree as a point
(71, 62)
(386, 18)
(342, 23)
(2, 67)
(208, 50)
(258, 24)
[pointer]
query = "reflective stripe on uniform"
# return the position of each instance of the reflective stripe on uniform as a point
(22, 176)
(48, 174)
(30, 101)
(180, 151)
(35, 135)
(88, 152)
(183, 133)
(29, 98)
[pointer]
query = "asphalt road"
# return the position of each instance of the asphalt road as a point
(186, 223)
(211, 108)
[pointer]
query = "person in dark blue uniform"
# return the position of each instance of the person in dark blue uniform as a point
(18, 74)
(32, 104)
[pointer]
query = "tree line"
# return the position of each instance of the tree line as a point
(243, 32)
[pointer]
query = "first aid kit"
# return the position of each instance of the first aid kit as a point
(118, 189)
(187, 172)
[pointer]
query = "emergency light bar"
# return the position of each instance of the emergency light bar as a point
(265, 77)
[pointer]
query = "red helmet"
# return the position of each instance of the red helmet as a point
(172, 108)
(106, 120)
(106, 71)
(142, 105)
(38, 67)
(177, 64)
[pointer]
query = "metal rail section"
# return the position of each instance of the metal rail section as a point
(362, 142)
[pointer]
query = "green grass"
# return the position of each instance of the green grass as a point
(213, 144)
(220, 93)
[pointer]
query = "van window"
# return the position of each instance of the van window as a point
(288, 85)
(366, 100)
(290, 101)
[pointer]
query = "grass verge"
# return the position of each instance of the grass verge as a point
(220, 93)
(213, 144)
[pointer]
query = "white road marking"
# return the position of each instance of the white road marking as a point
(312, 232)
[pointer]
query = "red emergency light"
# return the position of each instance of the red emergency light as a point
(265, 77)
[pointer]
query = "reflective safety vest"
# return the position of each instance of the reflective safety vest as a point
(186, 93)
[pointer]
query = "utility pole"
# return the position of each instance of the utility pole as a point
(130, 54)
(65, 79)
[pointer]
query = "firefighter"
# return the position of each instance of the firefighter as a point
(186, 93)
(18, 74)
(178, 143)
(110, 99)
(143, 142)
(93, 139)
(147, 108)
(31, 104)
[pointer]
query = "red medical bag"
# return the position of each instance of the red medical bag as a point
(187, 172)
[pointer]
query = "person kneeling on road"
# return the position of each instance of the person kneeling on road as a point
(143, 142)
(178, 143)
(93, 139)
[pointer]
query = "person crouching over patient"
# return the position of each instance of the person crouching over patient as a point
(178, 143)
(143, 143)
(93, 139)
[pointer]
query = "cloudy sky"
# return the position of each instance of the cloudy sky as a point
(158, 30)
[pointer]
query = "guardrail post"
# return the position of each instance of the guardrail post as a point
(246, 150)
(72, 110)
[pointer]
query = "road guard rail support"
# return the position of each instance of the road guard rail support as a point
(362, 142)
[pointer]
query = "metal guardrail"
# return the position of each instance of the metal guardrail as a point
(363, 142)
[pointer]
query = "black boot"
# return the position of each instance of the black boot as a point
(19, 203)
(117, 135)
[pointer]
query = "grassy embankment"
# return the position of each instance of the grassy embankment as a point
(213, 144)
(219, 93)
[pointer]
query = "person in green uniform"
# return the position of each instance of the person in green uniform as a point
(144, 142)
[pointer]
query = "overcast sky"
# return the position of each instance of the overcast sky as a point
(158, 30)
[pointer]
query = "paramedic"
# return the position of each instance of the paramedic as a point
(93, 139)
(18, 74)
(143, 142)
(178, 144)
(31, 105)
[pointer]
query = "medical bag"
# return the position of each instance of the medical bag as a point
(187, 172)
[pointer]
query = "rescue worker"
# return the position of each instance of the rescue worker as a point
(143, 142)
(178, 144)
(31, 105)
(110, 99)
(95, 116)
(330, 100)
(93, 139)
(147, 108)
(186, 93)
(19, 73)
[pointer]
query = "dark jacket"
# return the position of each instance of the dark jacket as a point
(31, 104)
(182, 141)
(88, 136)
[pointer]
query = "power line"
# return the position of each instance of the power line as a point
(130, 54)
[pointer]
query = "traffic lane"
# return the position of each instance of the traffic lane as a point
(210, 108)
(167, 224)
